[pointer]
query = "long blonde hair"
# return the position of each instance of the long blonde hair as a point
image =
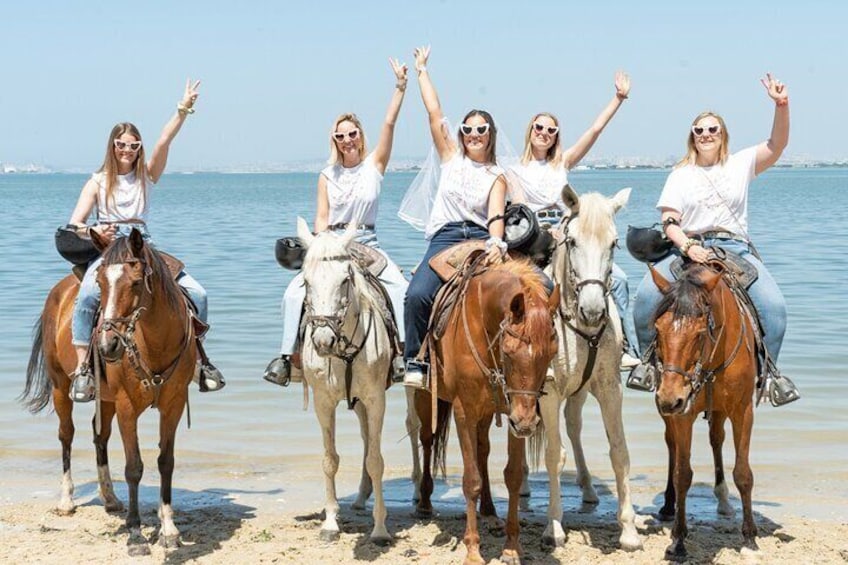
(336, 157)
(554, 154)
(692, 151)
(109, 168)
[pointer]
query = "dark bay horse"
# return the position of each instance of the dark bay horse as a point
(145, 335)
(707, 363)
(492, 358)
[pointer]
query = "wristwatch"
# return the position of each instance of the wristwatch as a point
(684, 249)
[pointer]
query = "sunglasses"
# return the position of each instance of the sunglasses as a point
(124, 145)
(711, 130)
(539, 128)
(478, 130)
(342, 135)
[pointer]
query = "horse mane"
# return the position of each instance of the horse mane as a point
(537, 320)
(687, 297)
(120, 251)
(595, 219)
(326, 245)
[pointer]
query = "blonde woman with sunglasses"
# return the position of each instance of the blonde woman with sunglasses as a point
(704, 206)
(538, 178)
(471, 191)
(119, 196)
(348, 193)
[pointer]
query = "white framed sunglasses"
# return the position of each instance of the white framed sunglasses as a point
(467, 130)
(127, 145)
(539, 128)
(342, 135)
(709, 130)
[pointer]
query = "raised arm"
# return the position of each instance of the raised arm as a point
(384, 146)
(769, 151)
(574, 154)
(159, 157)
(441, 136)
(322, 210)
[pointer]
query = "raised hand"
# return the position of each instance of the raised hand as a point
(622, 85)
(775, 89)
(400, 71)
(421, 55)
(190, 94)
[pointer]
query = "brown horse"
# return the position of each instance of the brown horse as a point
(492, 358)
(707, 363)
(145, 335)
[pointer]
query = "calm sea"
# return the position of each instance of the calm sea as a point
(224, 228)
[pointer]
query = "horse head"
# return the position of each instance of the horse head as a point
(124, 283)
(585, 264)
(685, 324)
(330, 276)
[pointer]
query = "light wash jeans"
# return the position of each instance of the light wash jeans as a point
(292, 305)
(88, 301)
(764, 293)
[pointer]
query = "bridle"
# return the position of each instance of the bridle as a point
(345, 349)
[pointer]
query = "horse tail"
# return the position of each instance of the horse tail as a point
(440, 438)
(38, 389)
(536, 446)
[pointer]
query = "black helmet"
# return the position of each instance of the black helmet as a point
(75, 246)
(648, 245)
(520, 227)
(290, 253)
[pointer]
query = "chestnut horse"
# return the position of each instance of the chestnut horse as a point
(145, 335)
(706, 353)
(493, 356)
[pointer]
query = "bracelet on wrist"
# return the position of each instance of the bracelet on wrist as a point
(687, 245)
(421, 69)
(782, 102)
(621, 96)
(496, 242)
(183, 109)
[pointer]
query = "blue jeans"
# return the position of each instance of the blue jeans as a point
(88, 301)
(425, 283)
(621, 296)
(764, 293)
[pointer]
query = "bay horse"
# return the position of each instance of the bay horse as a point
(706, 353)
(492, 359)
(145, 335)
(346, 356)
(588, 358)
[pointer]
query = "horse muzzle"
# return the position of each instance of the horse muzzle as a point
(523, 419)
(111, 347)
(324, 341)
(674, 403)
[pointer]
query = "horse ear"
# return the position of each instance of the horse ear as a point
(659, 280)
(620, 199)
(303, 232)
(553, 300)
(517, 308)
(98, 240)
(136, 242)
(570, 198)
(349, 234)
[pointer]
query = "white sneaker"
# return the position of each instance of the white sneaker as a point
(416, 376)
(628, 361)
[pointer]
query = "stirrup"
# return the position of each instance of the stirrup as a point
(417, 375)
(279, 371)
(211, 379)
(643, 377)
(82, 385)
(781, 390)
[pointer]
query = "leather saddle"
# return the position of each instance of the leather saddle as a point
(368, 258)
(738, 270)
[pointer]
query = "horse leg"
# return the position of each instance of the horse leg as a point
(666, 513)
(423, 410)
(742, 475)
(64, 407)
(101, 444)
(365, 486)
(512, 477)
(682, 430)
(609, 393)
(133, 471)
(554, 534)
(717, 420)
(574, 429)
(375, 412)
(412, 426)
(326, 412)
(169, 419)
(466, 429)
(488, 514)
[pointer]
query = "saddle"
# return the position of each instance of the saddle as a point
(368, 258)
(737, 271)
(174, 265)
(448, 261)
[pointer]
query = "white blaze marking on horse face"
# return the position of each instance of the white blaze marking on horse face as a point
(677, 325)
(113, 274)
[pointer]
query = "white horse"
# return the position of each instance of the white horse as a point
(345, 340)
(588, 320)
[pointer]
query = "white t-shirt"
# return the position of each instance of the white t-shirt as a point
(128, 202)
(540, 182)
(712, 198)
(353, 192)
(463, 193)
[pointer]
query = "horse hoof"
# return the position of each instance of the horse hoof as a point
(66, 510)
(510, 557)
(423, 513)
(169, 542)
(140, 549)
(750, 544)
(357, 506)
(663, 515)
(329, 536)
(726, 510)
(630, 543)
(381, 541)
(495, 526)
(676, 552)
(113, 506)
(549, 541)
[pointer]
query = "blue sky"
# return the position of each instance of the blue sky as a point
(275, 74)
